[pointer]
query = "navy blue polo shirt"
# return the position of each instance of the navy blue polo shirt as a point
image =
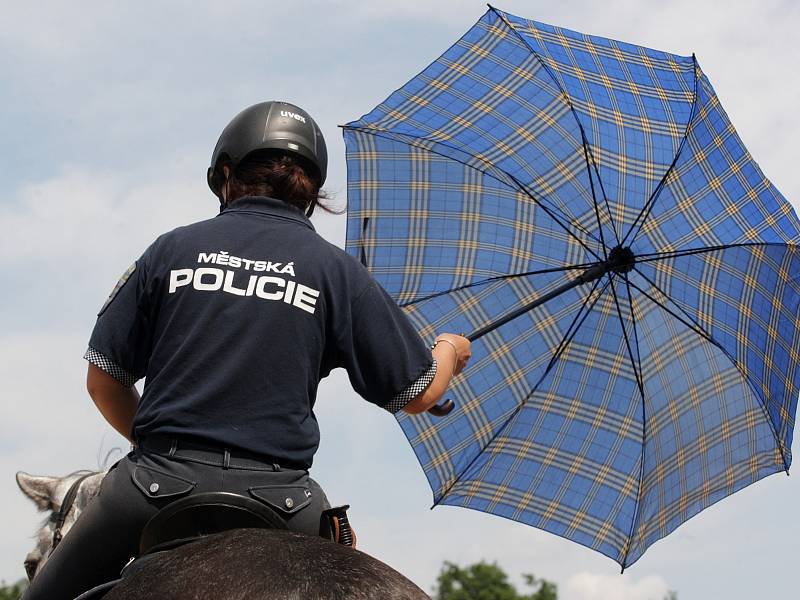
(234, 320)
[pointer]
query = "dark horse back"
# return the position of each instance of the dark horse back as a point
(258, 564)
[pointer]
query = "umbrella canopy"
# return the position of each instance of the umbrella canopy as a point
(660, 375)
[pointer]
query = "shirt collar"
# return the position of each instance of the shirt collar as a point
(269, 207)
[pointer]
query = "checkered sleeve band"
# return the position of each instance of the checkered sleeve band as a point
(412, 391)
(101, 361)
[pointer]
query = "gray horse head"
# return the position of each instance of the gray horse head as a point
(48, 494)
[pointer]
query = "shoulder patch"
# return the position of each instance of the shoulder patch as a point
(120, 284)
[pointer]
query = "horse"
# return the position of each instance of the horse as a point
(231, 565)
(48, 493)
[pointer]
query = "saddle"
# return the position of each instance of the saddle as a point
(214, 512)
(204, 514)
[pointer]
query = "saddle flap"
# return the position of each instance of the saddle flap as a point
(155, 484)
(286, 499)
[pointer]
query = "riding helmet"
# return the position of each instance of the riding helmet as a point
(268, 126)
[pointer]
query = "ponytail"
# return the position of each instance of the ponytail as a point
(281, 176)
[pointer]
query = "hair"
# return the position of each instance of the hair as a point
(278, 175)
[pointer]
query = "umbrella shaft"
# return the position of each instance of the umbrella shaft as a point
(590, 274)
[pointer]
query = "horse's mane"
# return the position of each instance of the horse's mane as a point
(81, 472)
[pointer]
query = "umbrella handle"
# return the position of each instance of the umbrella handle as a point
(443, 409)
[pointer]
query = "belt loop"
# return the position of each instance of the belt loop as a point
(276, 467)
(173, 446)
(226, 459)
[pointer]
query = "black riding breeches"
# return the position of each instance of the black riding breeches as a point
(106, 535)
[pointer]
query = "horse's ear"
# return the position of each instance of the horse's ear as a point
(38, 488)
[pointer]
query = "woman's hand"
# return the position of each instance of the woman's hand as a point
(452, 352)
(462, 347)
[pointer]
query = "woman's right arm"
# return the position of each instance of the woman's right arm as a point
(451, 352)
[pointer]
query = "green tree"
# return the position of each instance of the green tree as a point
(483, 581)
(544, 590)
(12, 592)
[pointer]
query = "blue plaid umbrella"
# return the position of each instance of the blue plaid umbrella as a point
(631, 278)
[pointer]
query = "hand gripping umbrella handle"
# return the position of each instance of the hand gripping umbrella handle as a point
(445, 408)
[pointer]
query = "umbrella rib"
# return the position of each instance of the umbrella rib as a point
(633, 319)
(640, 385)
(654, 256)
(566, 339)
(522, 189)
(496, 278)
(648, 206)
(600, 183)
(692, 324)
(644, 415)
(594, 197)
(688, 321)
(627, 340)
(587, 150)
(571, 331)
(519, 186)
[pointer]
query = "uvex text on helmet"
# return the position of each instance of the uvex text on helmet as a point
(268, 126)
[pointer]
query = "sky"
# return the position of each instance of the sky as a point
(108, 116)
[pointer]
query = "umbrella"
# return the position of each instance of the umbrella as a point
(584, 208)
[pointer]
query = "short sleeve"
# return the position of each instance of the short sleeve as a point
(122, 333)
(379, 347)
(412, 391)
(101, 361)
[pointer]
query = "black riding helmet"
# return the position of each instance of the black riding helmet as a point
(269, 126)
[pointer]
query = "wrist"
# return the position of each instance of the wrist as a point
(455, 351)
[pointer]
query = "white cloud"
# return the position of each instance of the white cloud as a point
(93, 214)
(72, 235)
(595, 586)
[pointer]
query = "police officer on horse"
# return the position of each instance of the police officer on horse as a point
(232, 322)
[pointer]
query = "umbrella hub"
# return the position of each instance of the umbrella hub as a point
(621, 260)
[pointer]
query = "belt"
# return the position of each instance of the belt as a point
(216, 456)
